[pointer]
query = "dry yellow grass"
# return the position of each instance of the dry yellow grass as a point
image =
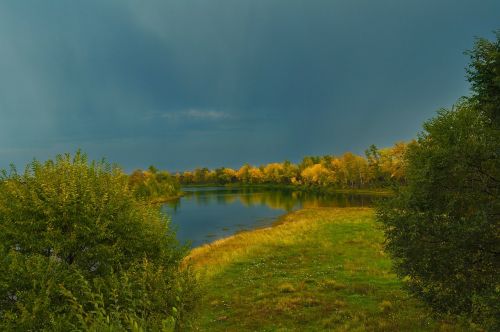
(292, 228)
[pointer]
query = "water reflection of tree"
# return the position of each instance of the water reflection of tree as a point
(173, 205)
(287, 200)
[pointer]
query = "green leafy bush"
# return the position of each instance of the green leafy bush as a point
(78, 251)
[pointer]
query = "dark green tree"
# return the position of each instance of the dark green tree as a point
(484, 75)
(442, 228)
(153, 169)
(79, 252)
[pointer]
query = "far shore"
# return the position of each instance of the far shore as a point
(326, 190)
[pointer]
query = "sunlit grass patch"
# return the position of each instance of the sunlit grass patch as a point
(286, 288)
(330, 284)
(320, 269)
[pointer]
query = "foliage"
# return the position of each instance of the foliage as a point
(78, 252)
(153, 185)
(442, 228)
(380, 168)
(484, 75)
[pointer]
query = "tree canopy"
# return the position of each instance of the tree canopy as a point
(484, 75)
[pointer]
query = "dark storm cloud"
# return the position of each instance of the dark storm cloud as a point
(186, 83)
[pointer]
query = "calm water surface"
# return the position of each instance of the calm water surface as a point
(209, 213)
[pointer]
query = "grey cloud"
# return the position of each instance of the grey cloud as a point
(196, 114)
(228, 81)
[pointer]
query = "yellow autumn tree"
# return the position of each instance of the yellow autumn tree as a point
(316, 174)
(243, 174)
(256, 175)
(392, 161)
(273, 173)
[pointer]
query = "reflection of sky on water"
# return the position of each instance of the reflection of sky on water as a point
(206, 214)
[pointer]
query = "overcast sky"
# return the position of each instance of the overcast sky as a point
(188, 83)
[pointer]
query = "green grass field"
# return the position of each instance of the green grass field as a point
(319, 269)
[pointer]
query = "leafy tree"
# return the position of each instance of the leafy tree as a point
(290, 171)
(273, 173)
(153, 185)
(79, 252)
(316, 174)
(187, 177)
(373, 158)
(442, 228)
(243, 174)
(484, 75)
(307, 161)
(392, 165)
(255, 175)
(224, 175)
(201, 175)
(152, 169)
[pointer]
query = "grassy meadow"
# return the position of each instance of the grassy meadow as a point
(320, 269)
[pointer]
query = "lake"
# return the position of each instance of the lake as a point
(205, 214)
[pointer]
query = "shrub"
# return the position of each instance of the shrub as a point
(78, 251)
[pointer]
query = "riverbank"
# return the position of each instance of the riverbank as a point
(323, 190)
(317, 269)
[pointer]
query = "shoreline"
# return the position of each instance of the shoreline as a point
(321, 190)
(161, 200)
(282, 220)
(277, 220)
(217, 242)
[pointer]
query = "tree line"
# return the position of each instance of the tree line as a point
(377, 169)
